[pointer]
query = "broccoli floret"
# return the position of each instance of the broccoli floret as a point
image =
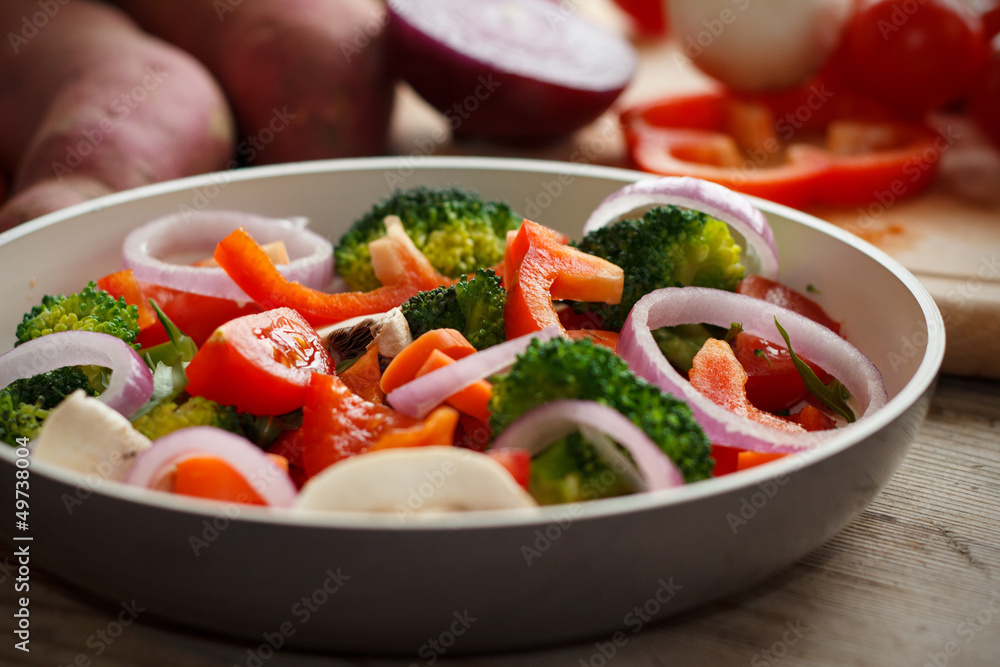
(168, 417)
(92, 309)
(667, 247)
(455, 229)
(473, 307)
(25, 404)
(565, 369)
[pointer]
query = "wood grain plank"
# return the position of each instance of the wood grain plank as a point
(901, 585)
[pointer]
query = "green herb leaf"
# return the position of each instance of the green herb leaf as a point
(735, 329)
(178, 349)
(833, 395)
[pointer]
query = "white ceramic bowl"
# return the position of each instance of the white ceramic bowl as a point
(470, 582)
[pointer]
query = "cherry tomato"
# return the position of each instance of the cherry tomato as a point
(780, 295)
(516, 461)
(650, 16)
(985, 99)
(914, 56)
(260, 363)
(773, 383)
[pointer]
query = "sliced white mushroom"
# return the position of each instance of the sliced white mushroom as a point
(415, 480)
(85, 435)
(349, 338)
(392, 334)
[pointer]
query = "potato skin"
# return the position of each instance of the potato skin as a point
(92, 105)
(307, 79)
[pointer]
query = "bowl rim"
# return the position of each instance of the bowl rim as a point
(923, 378)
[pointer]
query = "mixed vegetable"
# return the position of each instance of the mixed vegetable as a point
(483, 361)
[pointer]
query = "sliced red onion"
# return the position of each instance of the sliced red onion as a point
(418, 397)
(538, 428)
(710, 198)
(131, 382)
(194, 235)
(266, 477)
(685, 305)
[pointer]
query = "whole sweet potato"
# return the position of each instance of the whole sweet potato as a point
(307, 79)
(91, 104)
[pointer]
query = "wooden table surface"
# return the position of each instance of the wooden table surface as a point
(914, 580)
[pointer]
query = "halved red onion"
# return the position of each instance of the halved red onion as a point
(266, 477)
(131, 382)
(710, 198)
(418, 397)
(194, 235)
(685, 305)
(538, 428)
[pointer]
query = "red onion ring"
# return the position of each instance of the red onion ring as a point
(199, 232)
(418, 397)
(265, 476)
(710, 198)
(685, 305)
(538, 428)
(131, 382)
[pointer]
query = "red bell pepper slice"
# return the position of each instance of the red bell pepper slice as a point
(249, 266)
(798, 147)
(538, 268)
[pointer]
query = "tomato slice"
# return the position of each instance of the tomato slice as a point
(338, 424)
(539, 268)
(260, 363)
(726, 460)
(516, 461)
(197, 315)
(781, 295)
(773, 383)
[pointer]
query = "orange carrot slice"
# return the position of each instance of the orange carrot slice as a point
(474, 400)
(211, 477)
(438, 428)
(405, 365)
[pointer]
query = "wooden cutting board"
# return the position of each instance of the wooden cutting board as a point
(950, 241)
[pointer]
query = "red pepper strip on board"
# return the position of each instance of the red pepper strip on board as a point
(798, 147)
